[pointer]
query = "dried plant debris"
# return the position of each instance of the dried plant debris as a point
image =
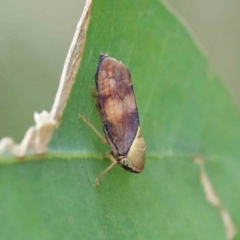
(37, 137)
(214, 200)
(35, 140)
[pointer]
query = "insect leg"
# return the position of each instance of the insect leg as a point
(81, 116)
(114, 162)
(94, 91)
(95, 96)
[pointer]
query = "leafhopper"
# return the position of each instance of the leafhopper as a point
(118, 111)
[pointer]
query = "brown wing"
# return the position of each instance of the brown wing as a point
(117, 101)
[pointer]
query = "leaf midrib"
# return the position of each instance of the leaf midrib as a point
(76, 155)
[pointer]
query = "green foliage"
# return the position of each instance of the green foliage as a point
(184, 110)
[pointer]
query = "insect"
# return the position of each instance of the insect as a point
(118, 111)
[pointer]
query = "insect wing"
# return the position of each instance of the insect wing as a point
(117, 101)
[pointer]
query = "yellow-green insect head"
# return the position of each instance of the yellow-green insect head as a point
(135, 159)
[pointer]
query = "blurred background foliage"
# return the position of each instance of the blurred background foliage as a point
(35, 37)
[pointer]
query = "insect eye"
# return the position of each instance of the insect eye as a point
(126, 163)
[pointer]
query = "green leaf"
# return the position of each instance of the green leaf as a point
(190, 125)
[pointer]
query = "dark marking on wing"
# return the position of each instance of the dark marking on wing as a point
(117, 101)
